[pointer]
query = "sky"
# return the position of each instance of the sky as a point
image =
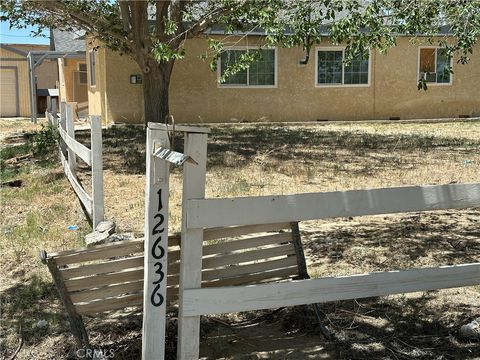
(20, 36)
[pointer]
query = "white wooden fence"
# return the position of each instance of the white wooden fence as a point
(71, 148)
(200, 214)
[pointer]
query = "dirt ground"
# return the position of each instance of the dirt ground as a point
(260, 160)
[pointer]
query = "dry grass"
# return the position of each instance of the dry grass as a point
(260, 160)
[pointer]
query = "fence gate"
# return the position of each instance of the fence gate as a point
(158, 159)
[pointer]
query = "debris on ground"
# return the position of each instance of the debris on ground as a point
(471, 330)
(41, 324)
(102, 232)
(18, 159)
(12, 183)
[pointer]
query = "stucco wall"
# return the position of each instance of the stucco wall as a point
(70, 88)
(392, 92)
(97, 96)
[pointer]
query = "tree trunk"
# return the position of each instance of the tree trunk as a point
(156, 83)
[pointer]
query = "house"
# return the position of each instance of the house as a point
(72, 69)
(280, 88)
(15, 84)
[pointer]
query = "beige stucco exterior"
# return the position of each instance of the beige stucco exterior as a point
(195, 95)
(71, 90)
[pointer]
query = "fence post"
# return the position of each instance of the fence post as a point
(97, 170)
(62, 125)
(53, 107)
(191, 245)
(70, 128)
(156, 248)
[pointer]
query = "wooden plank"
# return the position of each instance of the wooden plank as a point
(81, 150)
(93, 249)
(253, 278)
(156, 248)
(249, 243)
(239, 270)
(245, 298)
(248, 256)
(210, 213)
(182, 128)
(104, 280)
(81, 193)
(72, 160)
(174, 240)
(110, 304)
(195, 146)
(102, 268)
(227, 232)
(108, 291)
(120, 248)
(97, 170)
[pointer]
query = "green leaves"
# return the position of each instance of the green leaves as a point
(162, 52)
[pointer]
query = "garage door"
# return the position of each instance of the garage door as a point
(8, 92)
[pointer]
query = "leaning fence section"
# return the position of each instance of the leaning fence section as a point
(70, 149)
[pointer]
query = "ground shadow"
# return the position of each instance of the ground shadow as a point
(124, 147)
(24, 305)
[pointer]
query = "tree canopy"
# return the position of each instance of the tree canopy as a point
(153, 33)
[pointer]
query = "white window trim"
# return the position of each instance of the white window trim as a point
(418, 66)
(226, 86)
(89, 73)
(86, 71)
(340, 48)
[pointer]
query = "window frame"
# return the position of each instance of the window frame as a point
(247, 86)
(418, 66)
(342, 85)
(92, 79)
(80, 71)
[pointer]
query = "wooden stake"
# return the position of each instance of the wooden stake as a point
(98, 212)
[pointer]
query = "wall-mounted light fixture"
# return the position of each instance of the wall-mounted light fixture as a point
(135, 79)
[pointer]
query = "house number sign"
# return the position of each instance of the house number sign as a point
(156, 247)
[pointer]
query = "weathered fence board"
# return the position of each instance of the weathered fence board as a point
(244, 298)
(70, 148)
(81, 193)
(207, 213)
(79, 149)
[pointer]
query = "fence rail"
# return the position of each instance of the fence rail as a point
(70, 148)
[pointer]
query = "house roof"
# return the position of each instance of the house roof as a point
(68, 41)
(324, 31)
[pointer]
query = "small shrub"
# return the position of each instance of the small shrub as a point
(43, 142)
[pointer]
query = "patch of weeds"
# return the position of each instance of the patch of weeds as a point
(22, 238)
(240, 186)
(44, 141)
(311, 173)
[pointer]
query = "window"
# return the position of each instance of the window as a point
(82, 73)
(262, 72)
(93, 80)
(434, 65)
(331, 69)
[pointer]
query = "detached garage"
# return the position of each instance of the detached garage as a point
(9, 105)
(14, 79)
